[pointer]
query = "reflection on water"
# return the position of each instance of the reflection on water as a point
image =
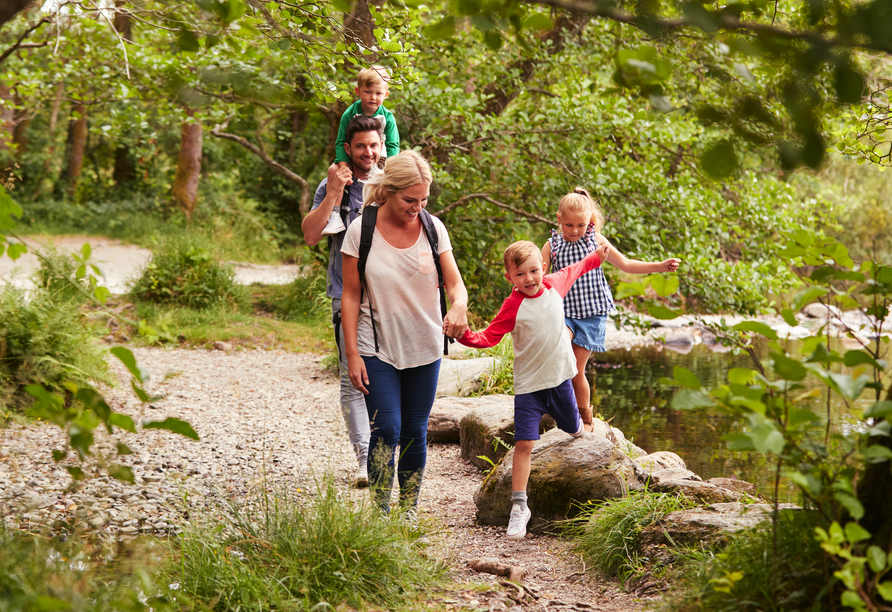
(627, 389)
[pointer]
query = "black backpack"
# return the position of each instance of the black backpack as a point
(368, 216)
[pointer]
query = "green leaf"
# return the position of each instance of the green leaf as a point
(483, 23)
(123, 421)
(101, 294)
(788, 369)
(445, 28)
(856, 533)
(123, 449)
(756, 327)
(121, 472)
(16, 250)
(342, 5)
(663, 285)
(624, 290)
(187, 41)
(850, 83)
(739, 442)
(741, 376)
(76, 472)
(538, 21)
(767, 439)
(686, 378)
(59, 455)
(879, 409)
(719, 160)
(876, 558)
(658, 311)
(493, 39)
(859, 357)
(850, 503)
(690, 399)
(877, 453)
(885, 590)
(789, 317)
(126, 357)
(171, 424)
(284, 44)
(807, 296)
(848, 386)
(45, 603)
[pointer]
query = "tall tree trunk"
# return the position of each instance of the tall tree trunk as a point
(9, 9)
(185, 182)
(125, 170)
(77, 142)
(359, 26)
(7, 125)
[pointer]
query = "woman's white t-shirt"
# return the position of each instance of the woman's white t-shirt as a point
(401, 295)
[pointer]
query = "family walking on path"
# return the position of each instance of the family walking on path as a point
(386, 278)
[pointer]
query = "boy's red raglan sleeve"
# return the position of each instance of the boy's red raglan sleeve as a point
(502, 324)
(562, 280)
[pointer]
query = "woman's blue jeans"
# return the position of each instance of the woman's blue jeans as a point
(399, 405)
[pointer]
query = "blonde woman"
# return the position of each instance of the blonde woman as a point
(393, 327)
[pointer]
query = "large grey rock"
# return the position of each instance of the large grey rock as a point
(444, 425)
(488, 430)
(711, 525)
(480, 428)
(565, 472)
(820, 311)
(601, 428)
(692, 488)
(660, 460)
(461, 377)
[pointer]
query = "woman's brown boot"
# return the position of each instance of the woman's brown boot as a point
(586, 415)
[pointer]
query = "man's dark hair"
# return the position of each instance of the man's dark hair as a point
(361, 123)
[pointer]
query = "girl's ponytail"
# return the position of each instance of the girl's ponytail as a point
(579, 201)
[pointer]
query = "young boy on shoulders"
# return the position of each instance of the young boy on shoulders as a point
(544, 365)
(372, 88)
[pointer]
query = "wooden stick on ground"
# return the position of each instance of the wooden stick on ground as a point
(492, 565)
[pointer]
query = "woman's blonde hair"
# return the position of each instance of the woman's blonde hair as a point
(403, 170)
(579, 201)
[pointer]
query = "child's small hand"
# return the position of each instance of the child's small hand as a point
(603, 251)
(670, 265)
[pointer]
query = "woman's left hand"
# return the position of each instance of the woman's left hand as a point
(455, 324)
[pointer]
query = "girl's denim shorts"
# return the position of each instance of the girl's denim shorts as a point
(589, 333)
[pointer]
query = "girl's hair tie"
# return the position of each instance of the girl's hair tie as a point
(579, 192)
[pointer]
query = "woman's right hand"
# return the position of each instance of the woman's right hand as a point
(358, 375)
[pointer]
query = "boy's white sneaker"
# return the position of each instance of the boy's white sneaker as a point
(517, 524)
(335, 224)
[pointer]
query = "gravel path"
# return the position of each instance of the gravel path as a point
(267, 419)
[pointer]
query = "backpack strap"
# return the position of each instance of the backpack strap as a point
(427, 222)
(368, 217)
(344, 210)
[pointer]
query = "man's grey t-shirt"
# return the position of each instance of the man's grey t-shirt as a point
(335, 266)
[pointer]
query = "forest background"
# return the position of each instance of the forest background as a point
(131, 119)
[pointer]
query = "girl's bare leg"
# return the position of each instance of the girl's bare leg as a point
(581, 387)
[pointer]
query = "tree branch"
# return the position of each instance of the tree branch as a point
(21, 39)
(502, 205)
(270, 162)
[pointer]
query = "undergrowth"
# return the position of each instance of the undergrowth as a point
(747, 576)
(187, 270)
(45, 341)
(608, 532)
(500, 378)
(315, 552)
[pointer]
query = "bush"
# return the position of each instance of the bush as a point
(185, 269)
(57, 273)
(746, 576)
(302, 299)
(302, 555)
(45, 341)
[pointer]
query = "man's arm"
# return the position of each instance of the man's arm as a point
(315, 220)
(501, 325)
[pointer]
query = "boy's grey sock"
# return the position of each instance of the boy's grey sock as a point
(519, 498)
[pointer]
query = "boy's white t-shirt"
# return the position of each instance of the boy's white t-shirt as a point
(401, 294)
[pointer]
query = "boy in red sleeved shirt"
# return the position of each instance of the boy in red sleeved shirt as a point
(544, 365)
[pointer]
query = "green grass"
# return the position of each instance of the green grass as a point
(42, 573)
(313, 552)
(500, 379)
(745, 576)
(608, 532)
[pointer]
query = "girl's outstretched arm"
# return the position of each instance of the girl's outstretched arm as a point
(634, 266)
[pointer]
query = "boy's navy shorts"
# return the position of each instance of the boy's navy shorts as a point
(558, 402)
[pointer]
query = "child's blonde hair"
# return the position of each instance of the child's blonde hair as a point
(579, 201)
(518, 252)
(403, 170)
(376, 75)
